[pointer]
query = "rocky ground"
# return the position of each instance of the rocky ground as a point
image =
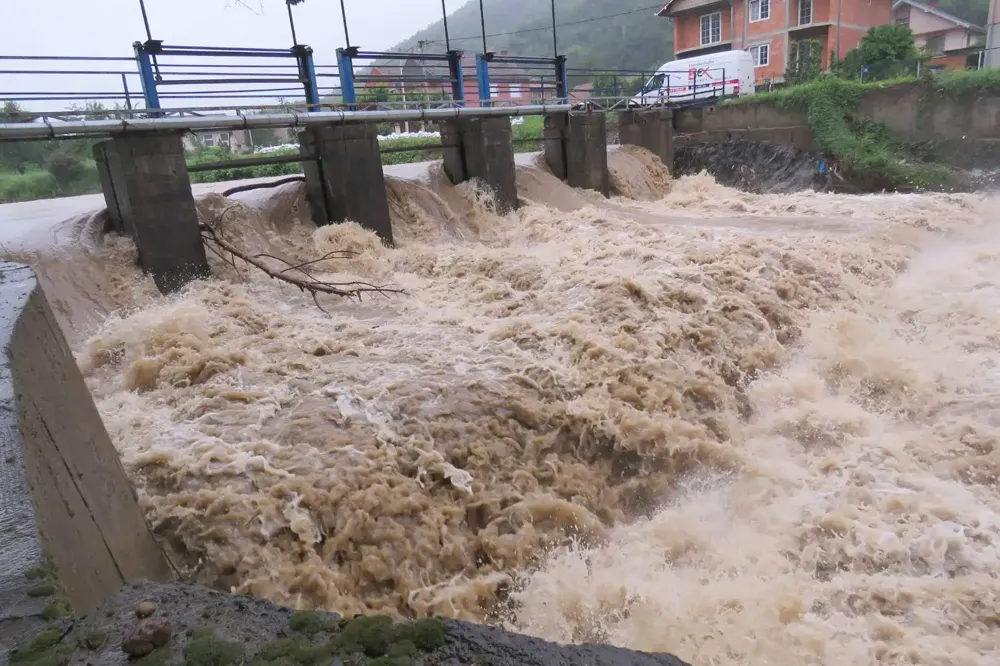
(164, 625)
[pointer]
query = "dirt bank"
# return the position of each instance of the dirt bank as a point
(751, 166)
(197, 626)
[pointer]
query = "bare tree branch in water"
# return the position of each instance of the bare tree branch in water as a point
(310, 284)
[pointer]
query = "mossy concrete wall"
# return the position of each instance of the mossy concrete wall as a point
(65, 502)
(914, 113)
(751, 122)
(909, 110)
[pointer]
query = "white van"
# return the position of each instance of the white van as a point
(700, 78)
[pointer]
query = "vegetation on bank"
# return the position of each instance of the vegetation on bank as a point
(864, 151)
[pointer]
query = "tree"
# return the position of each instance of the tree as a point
(805, 61)
(65, 168)
(886, 51)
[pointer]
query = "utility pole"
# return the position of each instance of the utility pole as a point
(482, 23)
(291, 23)
(555, 44)
(343, 15)
(444, 16)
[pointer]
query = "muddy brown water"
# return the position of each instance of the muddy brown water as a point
(742, 428)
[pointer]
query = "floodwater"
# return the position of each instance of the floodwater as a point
(745, 429)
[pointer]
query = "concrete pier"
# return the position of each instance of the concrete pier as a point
(555, 132)
(576, 149)
(652, 129)
(65, 501)
(481, 149)
(148, 192)
(346, 182)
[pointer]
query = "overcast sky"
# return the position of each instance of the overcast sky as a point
(108, 28)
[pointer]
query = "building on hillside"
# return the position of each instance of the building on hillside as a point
(991, 58)
(767, 28)
(238, 141)
(581, 93)
(952, 42)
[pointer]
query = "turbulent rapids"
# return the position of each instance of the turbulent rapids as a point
(742, 428)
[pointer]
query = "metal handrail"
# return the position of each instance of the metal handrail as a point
(50, 130)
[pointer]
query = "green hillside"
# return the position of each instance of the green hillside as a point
(636, 39)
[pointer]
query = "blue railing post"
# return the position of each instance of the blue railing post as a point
(483, 76)
(142, 57)
(457, 77)
(307, 72)
(562, 82)
(345, 62)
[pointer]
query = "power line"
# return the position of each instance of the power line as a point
(561, 25)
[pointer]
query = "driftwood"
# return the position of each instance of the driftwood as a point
(310, 284)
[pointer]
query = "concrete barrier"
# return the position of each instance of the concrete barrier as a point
(481, 149)
(575, 147)
(652, 129)
(148, 193)
(748, 121)
(65, 502)
(346, 182)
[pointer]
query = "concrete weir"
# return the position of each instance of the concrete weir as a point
(65, 501)
(148, 191)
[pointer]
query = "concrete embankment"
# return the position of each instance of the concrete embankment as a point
(65, 502)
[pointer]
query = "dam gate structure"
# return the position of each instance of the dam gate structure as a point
(147, 188)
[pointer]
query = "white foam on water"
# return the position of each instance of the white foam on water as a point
(746, 429)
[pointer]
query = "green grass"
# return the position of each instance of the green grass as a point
(865, 151)
(531, 128)
(37, 183)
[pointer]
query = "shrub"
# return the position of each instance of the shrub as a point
(65, 168)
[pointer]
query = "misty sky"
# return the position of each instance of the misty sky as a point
(108, 28)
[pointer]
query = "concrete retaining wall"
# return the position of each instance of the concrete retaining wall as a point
(904, 109)
(913, 115)
(64, 496)
(752, 122)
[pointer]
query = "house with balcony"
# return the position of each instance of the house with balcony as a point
(951, 42)
(768, 28)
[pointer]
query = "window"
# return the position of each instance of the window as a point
(761, 54)
(935, 44)
(805, 12)
(903, 17)
(711, 28)
(760, 10)
(654, 84)
(209, 140)
(494, 92)
(515, 91)
(223, 138)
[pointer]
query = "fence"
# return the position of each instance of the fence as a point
(614, 88)
(191, 78)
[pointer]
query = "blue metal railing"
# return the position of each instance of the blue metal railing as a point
(540, 78)
(159, 77)
(162, 74)
(423, 77)
(149, 56)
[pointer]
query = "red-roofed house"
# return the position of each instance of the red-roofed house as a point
(955, 43)
(767, 28)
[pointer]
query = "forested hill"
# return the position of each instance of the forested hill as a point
(975, 12)
(633, 39)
